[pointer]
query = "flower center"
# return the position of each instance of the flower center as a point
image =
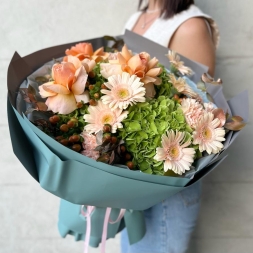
(122, 92)
(107, 119)
(207, 133)
(174, 153)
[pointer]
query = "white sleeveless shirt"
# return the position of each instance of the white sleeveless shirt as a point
(162, 30)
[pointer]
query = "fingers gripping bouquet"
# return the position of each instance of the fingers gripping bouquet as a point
(117, 129)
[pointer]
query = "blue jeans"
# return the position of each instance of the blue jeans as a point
(169, 224)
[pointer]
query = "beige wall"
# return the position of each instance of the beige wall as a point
(29, 214)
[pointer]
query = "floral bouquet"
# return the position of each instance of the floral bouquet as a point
(118, 129)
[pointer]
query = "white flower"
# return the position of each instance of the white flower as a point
(123, 90)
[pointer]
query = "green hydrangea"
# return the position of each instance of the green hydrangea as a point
(166, 88)
(143, 128)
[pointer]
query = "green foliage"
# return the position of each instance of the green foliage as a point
(166, 88)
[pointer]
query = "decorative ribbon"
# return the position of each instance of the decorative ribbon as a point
(107, 220)
(87, 214)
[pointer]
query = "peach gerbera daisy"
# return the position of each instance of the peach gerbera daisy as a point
(123, 90)
(208, 135)
(174, 153)
(192, 110)
(174, 59)
(102, 114)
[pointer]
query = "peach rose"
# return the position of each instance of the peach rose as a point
(67, 89)
(85, 50)
(86, 63)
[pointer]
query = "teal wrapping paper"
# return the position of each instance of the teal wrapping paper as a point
(71, 222)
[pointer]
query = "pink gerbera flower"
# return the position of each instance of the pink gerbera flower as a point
(89, 144)
(102, 114)
(124, 90)
(177, 157)
(208, 135)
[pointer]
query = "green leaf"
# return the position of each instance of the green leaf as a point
(107, 37)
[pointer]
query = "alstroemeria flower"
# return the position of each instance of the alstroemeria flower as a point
(182, 87)
(67, 89)
(85, 50)
(174, 152)
(102, 114)
(174, 59)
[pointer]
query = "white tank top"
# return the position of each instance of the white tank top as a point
(162, 30)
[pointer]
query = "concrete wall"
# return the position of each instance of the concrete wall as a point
(29, 214)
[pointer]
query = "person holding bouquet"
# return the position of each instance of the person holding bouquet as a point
(184, 28)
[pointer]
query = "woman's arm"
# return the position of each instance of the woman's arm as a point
(193, 40)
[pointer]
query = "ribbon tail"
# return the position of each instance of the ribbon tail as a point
(88, 226)
(104, 235)
(121, 215)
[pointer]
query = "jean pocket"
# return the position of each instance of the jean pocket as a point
(191, 195)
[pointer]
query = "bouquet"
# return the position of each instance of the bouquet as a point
(118, 129)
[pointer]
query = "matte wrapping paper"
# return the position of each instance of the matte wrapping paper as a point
(72, 179)
(72, 222)
(79, 180)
